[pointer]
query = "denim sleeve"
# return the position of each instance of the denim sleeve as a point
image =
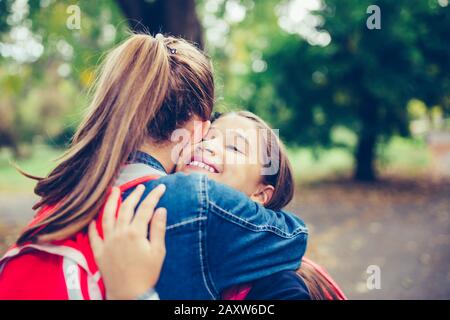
(241, 241)
(183, 198)
(246, 241)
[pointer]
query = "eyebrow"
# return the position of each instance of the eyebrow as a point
(243, 137)
(236, 133)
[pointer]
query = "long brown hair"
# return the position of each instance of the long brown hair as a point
(319, 287)
(146, 88)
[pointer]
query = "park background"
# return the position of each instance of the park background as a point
(364, 112)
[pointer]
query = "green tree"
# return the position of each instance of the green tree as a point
(178, 18)
(340, 73)
(46, 67)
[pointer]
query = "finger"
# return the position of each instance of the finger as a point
(147, 207)
(158, 229)
(127, 209)
(109, 212)
(94, 238)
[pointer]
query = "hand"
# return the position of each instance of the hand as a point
(129, 263)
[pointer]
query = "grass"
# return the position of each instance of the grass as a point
(40, 162)
(312, 165)
(402, 156)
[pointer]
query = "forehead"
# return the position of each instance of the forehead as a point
(234, 122)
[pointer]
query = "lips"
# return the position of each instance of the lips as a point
(202, 164)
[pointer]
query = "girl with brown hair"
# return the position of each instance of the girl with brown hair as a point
(147, 89)
(225, 155)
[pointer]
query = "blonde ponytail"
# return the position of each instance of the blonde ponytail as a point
(140, 84)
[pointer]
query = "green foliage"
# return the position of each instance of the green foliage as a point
(43, 96)
(354, 88)
(362, 80)
(40, 162)
(3, 14)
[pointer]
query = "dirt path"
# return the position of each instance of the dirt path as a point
(15, 211)
(402, 227)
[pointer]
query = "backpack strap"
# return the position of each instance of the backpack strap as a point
(135, 182)
(123, 188)
(81, 275)
(70, 271)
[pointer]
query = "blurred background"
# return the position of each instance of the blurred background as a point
(365, 113)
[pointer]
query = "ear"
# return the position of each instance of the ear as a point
(198, 129)
(263, 194)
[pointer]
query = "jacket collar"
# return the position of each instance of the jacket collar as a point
(145, 158)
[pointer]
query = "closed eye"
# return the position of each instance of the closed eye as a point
(234, 148)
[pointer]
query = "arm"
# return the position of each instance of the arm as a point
(246, 241)
(242, 241)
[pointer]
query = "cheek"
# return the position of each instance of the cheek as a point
(183, 160)
(253, 176)
(244, 177)
(185, 156)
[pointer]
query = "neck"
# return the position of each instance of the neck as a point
(162, 153)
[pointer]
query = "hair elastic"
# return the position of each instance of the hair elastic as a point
(160, 37)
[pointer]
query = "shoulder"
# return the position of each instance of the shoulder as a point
(184, 198)
(176, 184)
(177, 179)
(198, 187)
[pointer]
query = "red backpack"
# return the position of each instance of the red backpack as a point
(59, 270)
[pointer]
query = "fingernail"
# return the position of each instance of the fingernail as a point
(162, 187)
(161, 212)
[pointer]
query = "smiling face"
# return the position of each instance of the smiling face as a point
(229, 153)
(243, 152)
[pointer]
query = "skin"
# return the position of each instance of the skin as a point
(130, 264)
(195, 129)
(229, 148)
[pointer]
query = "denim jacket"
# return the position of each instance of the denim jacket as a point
(216, 236)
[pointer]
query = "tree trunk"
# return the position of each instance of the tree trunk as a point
(9, 140)
(365, 157)
(171, 17)
(366, 149)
